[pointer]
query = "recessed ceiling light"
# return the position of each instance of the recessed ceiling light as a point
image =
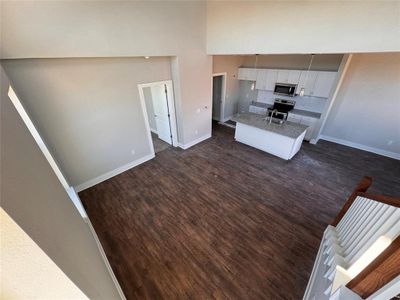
(147, 57)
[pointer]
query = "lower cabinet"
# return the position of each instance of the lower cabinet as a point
(308, 121)
(257, 110)
(300, 119)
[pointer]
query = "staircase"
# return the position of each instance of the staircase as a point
(352, 261)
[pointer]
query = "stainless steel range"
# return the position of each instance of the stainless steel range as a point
(279, 112)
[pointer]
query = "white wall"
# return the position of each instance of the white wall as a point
(366, 112)
(31, 274)
(321, 62)
(34, 198)
(115, 29)
(281, 27)
(88, 111)
(229, 64)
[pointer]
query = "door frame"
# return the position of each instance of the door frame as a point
(223, 94)
(171, 110)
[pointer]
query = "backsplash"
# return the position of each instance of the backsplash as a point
(314, 104)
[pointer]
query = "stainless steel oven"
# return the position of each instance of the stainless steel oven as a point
(286, 89)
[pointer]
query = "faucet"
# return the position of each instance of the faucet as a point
(272, 114)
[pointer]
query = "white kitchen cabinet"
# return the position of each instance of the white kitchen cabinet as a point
(271, 79)
(307, 81)
(310, 122)
(257, 110)
(283, 76)
(261, 82)
(266, 79)
(304, 120)
(294, 118)
(315, 83)
(288, 76)
(294, 76)
(247, 74)
(324, 83)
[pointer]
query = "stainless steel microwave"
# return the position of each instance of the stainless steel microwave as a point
(285, 89)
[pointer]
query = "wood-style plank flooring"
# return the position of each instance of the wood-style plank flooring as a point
(222, 220)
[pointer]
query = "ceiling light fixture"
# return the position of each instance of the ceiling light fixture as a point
(146, 57)
(253, 85)
(308, 71)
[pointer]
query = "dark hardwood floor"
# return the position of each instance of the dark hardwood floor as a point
(222, 220)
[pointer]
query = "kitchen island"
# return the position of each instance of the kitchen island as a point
(282, 140)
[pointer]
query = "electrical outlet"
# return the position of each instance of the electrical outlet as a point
(196, 131)
(390, 143)
(133, 151)
(198, 110)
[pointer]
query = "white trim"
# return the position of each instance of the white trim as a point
(42, 146)
(104, 256)
(113, 173)
(388, 291)
(77, 201)
(36, 136)
(361, 147)
(171, 105)
(227, 118)
(312, 279)
(196, 141)
(146, 119)
(223, 96)
(153, 130)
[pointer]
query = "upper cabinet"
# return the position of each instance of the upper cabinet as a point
(288, 76)
(247, 74)
(307, 81)
(315, 83)
(323, 84)
(266, 79)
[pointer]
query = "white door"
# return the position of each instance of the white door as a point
(160, 104)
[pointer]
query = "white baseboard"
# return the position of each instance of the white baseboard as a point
(77, 201)
(361, 147)
(227, 118)
(224, 119)
(196, 141)
(108, 175)
(104, 256)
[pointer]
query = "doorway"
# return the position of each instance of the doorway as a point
(218, 96)
(159, 109)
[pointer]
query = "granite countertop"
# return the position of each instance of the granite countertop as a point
(295, 111)
(305, 113)
(261, 104)
(289, 129)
